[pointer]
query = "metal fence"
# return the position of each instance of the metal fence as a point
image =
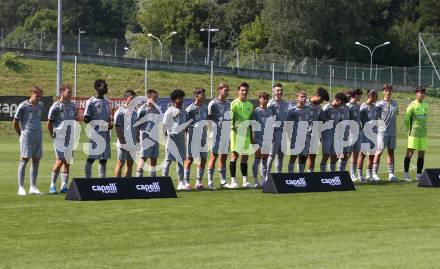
(185, 59)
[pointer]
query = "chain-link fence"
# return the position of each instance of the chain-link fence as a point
(245, 64)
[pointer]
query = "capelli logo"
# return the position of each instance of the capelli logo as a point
(107, 189)
(299, 183)
(336, 181)
(153, 187)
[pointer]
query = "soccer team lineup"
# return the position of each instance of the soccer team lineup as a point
(345, 131)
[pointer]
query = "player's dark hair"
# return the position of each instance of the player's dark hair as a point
(198, 90)
(129, 93)
(371, 92)
(387, 86)
(342, 97)
(35, 89)
(100, 84)
(354, 92)
(278, 85)
(420, 89)
(150, 92)
(64, 87)
(265, 95)
(323, 93)
(243, 84)
(222, 85)
(177, 93)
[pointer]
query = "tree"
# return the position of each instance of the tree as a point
(254, 37)
(429, 15)
(230, 17)
(100, 18)
(320, 29)
(28, 35)
(162, 17)
(402, 30)
(14, 12)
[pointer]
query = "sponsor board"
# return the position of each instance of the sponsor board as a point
(9, 105)
(308, 182)
(88, 189)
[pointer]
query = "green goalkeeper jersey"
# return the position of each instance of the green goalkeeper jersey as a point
(416, 119)
(241, 111)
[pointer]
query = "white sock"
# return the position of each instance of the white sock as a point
(353, 169)
(375, 168)
(64, 178)
(53, 178)
(369, 172)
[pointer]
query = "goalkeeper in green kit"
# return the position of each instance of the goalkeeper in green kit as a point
(416, 122)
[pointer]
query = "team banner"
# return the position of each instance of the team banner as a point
(9, 105)
(89, 189)
(308, 182)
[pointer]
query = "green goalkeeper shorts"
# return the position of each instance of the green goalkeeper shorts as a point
(417, 143)
(240, 144)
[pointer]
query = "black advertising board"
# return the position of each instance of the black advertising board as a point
(88, 189)
(308, 182)
(430, 178)
(9, 104)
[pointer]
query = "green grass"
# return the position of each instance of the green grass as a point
(43, 73)
(377, 226)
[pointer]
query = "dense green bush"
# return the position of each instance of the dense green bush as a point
(12, 61)
(433, 92)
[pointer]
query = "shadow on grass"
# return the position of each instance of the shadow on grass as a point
(384, 183)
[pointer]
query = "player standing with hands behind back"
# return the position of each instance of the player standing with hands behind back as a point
(260, 115)
(280, 109)
(27, 124)
(98, 108)
(416, 121)
(241, 110)
(219, 114)
(197, 112)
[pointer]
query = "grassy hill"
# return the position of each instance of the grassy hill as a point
(43, 73)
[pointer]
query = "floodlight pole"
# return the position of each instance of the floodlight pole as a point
(371, 54)
(59, 47)
(209, 30)
(420, 59)
(160, 42)
(75, 69)
(79, 40)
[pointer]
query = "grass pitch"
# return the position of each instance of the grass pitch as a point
(377, 226)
